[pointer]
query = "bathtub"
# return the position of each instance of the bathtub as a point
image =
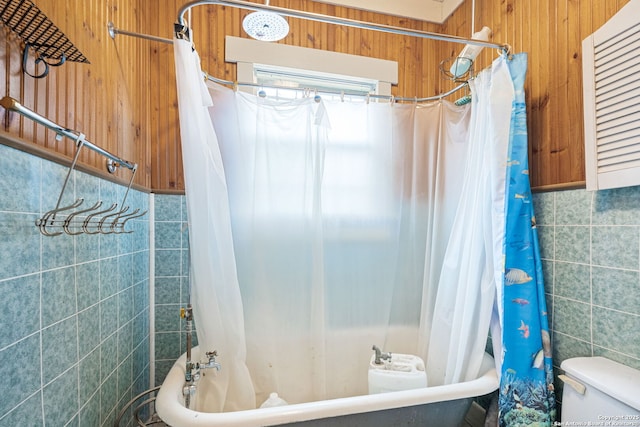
(439, 406)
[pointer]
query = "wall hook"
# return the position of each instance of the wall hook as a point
(40, 59)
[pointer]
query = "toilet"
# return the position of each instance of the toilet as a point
(600, 391)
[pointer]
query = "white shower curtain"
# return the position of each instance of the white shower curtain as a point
(457, 312)
(215, 294)
(331, 221)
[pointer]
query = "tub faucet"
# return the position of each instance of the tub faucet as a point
(211, 361)
(193, 368)
(380, 355)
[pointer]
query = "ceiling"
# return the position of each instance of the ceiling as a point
(427, 10)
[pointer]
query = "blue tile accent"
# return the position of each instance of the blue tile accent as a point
(168, 318)
(125, 342)
(125, 271)
(185, 235)
(88, 283)
(616, 246)
(109, 356)
(89, 369)
(87, 248)
(60, 398)
(572, 318)
(125, 380)
(16, 382)
(140, 357)
(18, 236)
(572, 243)
(619, 206)
(140, 328)
(140, 266)
(141, 295)
(616, 289)
(572, 281)
(25, 415)
(87, 187)
(566, 347)
(20, 180)
(108, 245)
(56, 281)
(167, 290)
(125, 306)
(108, 397)
(108, 277)
(59, 291)
(618, 331)
(162, 369)
(573, 207)
(126, 240)
(185, 291)
(547, 241)
(168, 208)
(109, 316)
(53, 176)
(544, 208)
(140, 235)
(595, 272)
(61, 343)
(168, 235)
(88, 330)
(90, 412)
(183, 206)
(19, 296)
(58, 251)
(168, 263)
(168, 345)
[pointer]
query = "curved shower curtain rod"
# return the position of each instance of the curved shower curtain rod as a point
(182, 32)
(310, 16)
(367, 96)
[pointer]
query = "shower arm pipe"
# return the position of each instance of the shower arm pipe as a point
(370, 96)
(504, 48)
(12, 104)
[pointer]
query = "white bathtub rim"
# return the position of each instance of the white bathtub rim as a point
(170, 409)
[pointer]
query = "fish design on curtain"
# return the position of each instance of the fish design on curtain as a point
(527, 397)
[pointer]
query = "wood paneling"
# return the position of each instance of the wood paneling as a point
(551, 33)
(105, 100)
(125, 100)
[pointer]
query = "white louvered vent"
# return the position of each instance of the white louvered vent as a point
(611, 77)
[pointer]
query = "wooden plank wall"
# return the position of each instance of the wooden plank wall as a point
(551, 32)
(104, 100)
(125, 99)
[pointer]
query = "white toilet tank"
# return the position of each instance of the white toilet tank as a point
(600, 391)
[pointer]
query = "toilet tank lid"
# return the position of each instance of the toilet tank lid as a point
(612, 378)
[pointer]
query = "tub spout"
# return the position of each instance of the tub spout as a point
(380, 355)
(211, 361)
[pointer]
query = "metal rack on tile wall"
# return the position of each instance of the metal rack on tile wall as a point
(70, 219)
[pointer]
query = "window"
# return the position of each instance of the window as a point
(270, 76)
(270, 61)
(356, 177)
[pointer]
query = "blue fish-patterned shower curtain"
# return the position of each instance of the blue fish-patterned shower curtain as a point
(526, 397)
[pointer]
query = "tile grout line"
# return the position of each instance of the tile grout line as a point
(41, 306)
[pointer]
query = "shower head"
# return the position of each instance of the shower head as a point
(265, 26)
